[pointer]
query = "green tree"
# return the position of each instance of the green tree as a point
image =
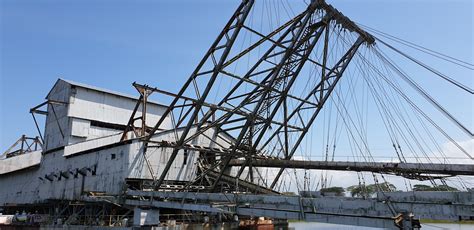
(370, 190)
(360, 191)
(339, 191)
(383, 187)
(422, 187)
(446, 188)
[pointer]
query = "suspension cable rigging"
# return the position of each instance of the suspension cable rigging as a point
(421, 48)
(424, 94)
(443, 76)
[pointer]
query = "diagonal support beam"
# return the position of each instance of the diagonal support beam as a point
(335, 74)
(233, 28)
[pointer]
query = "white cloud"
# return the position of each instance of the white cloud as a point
(455, 155)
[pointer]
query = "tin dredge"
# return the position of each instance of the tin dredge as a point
(109, 159)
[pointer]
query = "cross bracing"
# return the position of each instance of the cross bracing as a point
(291, 79)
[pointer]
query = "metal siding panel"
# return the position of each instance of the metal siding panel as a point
(80, 127)
(19, 162)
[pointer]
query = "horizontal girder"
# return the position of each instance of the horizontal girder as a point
(375, 212)
(383, 167)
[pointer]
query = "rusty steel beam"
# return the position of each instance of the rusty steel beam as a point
(402, 169)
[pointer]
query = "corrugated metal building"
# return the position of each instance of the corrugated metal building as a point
(82, 152)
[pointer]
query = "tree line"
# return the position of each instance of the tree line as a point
(365, 191)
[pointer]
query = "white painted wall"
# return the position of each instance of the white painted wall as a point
(114, 162)
(15, 163)
(25, 186)
(85, 105)
(52, 134)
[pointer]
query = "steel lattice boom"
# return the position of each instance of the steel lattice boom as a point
(248, 134)
(260, 111)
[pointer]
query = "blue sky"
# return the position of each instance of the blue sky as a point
(111, 44)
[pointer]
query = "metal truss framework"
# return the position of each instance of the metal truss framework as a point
(97, 212)
(261, 116)
(37, 110)
(418, 171)
(141, 104)
(24, 145)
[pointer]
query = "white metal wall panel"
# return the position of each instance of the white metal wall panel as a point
(80, 127)
(90, 144)
(112, 165)
(19, 162)
(58, 120)
(99, 106)
(27, 187)
(89, 104)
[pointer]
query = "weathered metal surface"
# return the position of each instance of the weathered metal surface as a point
(174, 205)
(242, 183)
(377, 212)
(146, 217)
(355, 220)
(384, 167)
(102, 164)
(88, 113)
(93, 168)
(56, 118)
(80, 147)
(183, 167)
(20, 162)
(463, 198)
(260, 108)
(23, 145)
(92, 158)
(102, 170)
(88, 153)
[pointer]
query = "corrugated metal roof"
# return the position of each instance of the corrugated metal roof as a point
(95, 88)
